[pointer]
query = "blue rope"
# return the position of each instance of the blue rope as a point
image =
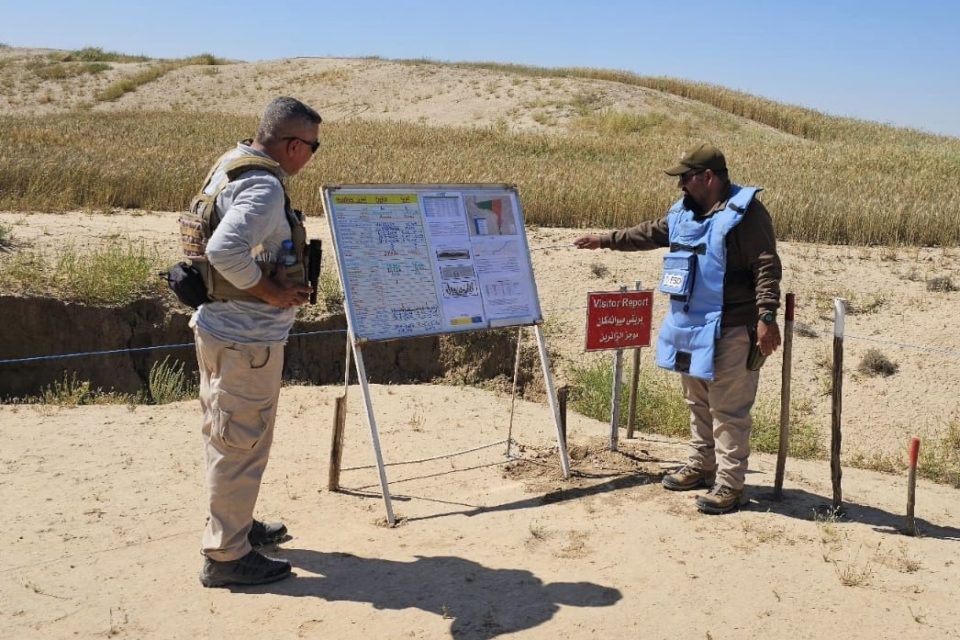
(64, 356)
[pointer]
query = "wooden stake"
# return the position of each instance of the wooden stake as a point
(615, 406)
(615, 396)
(339, 420)
(836, 473)
(562, 393)
(634, 386)
(785, 398)
(911, 528)
(336, 442)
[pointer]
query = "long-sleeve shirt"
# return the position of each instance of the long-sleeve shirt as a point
(253, 223)
(751, 283)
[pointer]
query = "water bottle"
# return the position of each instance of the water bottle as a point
(287, 256)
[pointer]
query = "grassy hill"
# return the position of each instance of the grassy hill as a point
(97, 130)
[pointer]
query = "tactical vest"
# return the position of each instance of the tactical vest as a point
(693, 272)
(200, 221)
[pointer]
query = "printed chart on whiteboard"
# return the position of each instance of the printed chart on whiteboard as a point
(419, 260)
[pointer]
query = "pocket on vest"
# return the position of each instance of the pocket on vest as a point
(688, 350)
(679, 268)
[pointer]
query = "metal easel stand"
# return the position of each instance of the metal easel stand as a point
(372, 423)
(357, 348)
(513, 396)
(552, 398)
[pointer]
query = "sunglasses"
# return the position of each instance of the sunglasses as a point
(313, 145)
(685, 177)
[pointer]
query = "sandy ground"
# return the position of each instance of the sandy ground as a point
(102, 513)
(103, 506)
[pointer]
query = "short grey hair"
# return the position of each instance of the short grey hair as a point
(281, 115)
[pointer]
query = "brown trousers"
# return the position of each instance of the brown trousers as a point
(720, 419)
(239, 389)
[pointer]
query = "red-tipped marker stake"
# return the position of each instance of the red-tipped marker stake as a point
(911, 528)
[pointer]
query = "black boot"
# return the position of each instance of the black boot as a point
(253, 568)
(262, 533)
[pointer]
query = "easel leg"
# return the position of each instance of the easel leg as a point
(374, 434)
(513, 396)
(552, 398)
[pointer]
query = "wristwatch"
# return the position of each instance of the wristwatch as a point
(768, 317)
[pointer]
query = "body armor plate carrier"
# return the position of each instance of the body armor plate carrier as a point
(200, 221)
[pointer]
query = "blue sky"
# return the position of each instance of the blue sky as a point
(893, 62)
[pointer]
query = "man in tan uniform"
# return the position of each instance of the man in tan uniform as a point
(723, 277)
(240, 336)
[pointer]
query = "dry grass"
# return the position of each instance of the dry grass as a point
(875, 363)
(798, 121)
(835, 192)
(162, 68)
(112, 274)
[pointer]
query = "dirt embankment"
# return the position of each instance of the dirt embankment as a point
(42, 326)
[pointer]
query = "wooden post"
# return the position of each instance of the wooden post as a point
(339, 420)
(785, 399)
(634, 386)
(562, 393)
(615, 403)
(615, 396)
(836, 473)
(911, 528)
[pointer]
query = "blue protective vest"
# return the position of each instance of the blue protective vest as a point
(693, 273)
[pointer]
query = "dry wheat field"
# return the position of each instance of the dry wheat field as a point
(103, 495)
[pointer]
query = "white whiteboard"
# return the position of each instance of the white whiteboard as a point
(420, 260)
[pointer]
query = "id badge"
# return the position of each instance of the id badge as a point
(678, 270)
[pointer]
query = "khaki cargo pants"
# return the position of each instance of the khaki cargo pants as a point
(720, 420)
(239, 388)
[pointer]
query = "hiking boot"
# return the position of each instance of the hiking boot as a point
(252, 568)
(262, 533)
(687, 477)
(721, 499)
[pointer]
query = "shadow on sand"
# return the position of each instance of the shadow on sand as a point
(798, 503)
(481, 602)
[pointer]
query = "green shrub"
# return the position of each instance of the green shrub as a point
(113, 273)
(874, 363)
(660, 405)
(73, 392)
(68, 392)
(620, 122)
(169, 382)
(62, 71)
(330, 291)
(941, 283)
(96, 54)
(805, 440)
(940, 457)
(662, 409)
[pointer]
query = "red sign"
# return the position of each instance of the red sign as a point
(618, 319)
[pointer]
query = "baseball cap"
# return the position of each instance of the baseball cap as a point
(702, 156)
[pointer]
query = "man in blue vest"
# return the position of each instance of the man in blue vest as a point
(722, 274)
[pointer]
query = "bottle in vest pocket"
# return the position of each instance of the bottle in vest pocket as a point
(288, 257)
